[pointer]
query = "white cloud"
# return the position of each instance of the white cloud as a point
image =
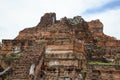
(16, 15)
(110, 20)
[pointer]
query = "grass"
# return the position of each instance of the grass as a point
(101, 63)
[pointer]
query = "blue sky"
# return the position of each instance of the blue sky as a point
(15, 15)
(114, 4)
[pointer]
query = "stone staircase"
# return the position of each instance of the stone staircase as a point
(21, 67)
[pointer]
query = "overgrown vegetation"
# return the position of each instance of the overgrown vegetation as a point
(8, 58)
(101, 63)
(6, 79)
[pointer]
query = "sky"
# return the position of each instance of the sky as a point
(15, 15)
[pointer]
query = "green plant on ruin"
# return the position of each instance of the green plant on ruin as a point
(9, 58)
(101, 51)
(41, 43)
(101, 63)
(83, 70)
(6, 79)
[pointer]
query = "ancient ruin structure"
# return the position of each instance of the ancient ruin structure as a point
(65, 49)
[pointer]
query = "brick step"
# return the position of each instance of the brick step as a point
(20, 75)
(24, 58)
(21, 68)
(30, 57)
(27, 56)
(24, 64)
(19, 79)
(19, 72)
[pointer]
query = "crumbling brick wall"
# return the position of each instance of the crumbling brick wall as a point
(69, 40)
(103, 72)
(9, 46)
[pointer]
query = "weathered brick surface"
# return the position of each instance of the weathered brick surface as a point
(103, 72)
